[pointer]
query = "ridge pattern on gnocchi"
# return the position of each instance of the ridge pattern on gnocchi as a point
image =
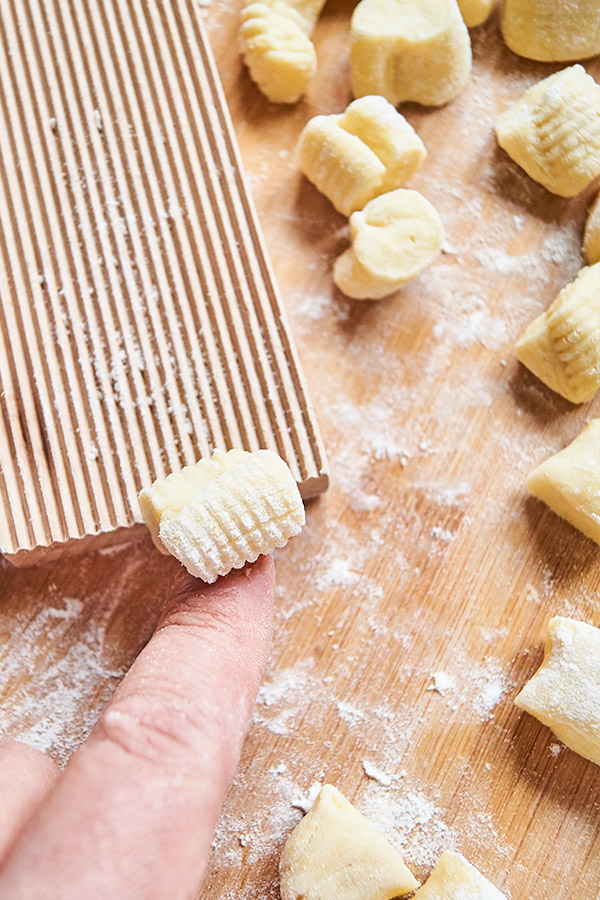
(276, 46)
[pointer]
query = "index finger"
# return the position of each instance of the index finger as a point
(134, 813)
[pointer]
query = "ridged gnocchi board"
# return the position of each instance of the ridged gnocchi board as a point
(140, 326)
(425, 558)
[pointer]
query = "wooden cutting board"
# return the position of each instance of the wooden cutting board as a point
(426, 557)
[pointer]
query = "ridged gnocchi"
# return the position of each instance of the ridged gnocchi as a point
(553, 131)
(552, 30)
(365, 151)
(276, 46)
(224, 511)
(564, 693)
(569, 482)
(416, 50)
(475, 12)
(394, 238)
(591, 237)
(562, 345)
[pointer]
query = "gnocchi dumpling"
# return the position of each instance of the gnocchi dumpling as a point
(453, 878)
(224, 511)
(564, 693)
(552, 30)
(275, 42)
(167, 496)
(394, 238)
(475, 12)
(562, 345)
(591, 237)
(569, 481)
(416, 50)
(365, 151)
(336, 852)
(553, 131)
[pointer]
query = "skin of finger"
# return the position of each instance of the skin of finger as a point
(134, 813)
(26, 777)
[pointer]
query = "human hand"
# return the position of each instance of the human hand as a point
(133, 814)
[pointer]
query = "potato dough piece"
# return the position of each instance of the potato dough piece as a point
(335, 853)
(394, 238)
(591, 238)
(475, 12)
(275, 40)
(409, 50)
(569, 481)
(166, 497)
(224, 512)
(552, 30)
(456, 879)
(367, 150)
(564, 693)
(553, 131)
(562, 345)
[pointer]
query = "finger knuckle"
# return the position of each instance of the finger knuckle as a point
(160, 730)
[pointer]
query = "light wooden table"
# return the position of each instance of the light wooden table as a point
(426, 556)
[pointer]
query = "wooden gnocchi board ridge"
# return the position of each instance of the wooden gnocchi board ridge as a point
(139, 323)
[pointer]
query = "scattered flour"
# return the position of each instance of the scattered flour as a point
(472, 323)
(58, 694)
(338, 573)
(441, 682)
(371, 771)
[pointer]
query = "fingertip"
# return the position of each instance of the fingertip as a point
(254, 577)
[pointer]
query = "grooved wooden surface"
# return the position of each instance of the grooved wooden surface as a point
(139, 323)
(425, 557)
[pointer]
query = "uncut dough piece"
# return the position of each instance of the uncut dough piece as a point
(564, 693)
(394, 238)
(453, 878)
(245, 510)
(276, 46)
(569, 482)
(552, 30)
(591, 237)
(409, 50)
(365, 151)
(562, 345)
(553, 131)
(335, 853)
(475, 12)
(166, 497)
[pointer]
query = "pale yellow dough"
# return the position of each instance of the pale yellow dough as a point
(365, 151)
(275, 42)
(553, 131)
(591, 238)
(552, 30)
(475, 12)
(409, 50)
(394, 238)
(224, 512)
(562, 345)
(166, 497)
(453, 878)
(569, 482)
(564, 693)
(335, 853)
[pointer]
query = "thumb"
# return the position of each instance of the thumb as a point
(134, 813)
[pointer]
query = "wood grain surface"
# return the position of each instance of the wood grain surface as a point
(426, 557)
